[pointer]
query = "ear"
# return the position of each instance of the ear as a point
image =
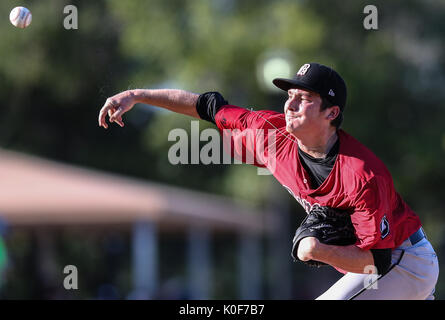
(333, 112)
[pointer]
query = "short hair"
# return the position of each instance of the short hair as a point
(325, 104)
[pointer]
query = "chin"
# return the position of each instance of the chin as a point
(293, 130)
(290, 128)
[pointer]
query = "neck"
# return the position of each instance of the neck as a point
(318, 146)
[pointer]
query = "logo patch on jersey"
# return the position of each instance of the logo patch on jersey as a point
(384, 227)
(303, 69)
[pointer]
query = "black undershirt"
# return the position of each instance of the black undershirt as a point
(318, 170)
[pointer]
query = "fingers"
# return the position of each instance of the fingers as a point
(103, 113)
(119, 122)
(117, 114)
(110, 113)
(114, 114)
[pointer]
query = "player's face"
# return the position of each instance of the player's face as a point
(302, 111)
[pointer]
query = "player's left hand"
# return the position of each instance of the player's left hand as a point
(322, 225)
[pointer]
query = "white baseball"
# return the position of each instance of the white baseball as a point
(20, 17)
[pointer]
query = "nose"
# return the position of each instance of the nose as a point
(293, 104)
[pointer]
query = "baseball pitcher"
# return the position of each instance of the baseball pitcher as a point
(356, 221)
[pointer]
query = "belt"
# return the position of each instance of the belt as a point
(417, 236)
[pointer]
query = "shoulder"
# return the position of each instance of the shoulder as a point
(245, 117)
(359, 163)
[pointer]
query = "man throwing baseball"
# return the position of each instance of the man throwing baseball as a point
(356, 220)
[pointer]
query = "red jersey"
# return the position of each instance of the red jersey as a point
(359, 181)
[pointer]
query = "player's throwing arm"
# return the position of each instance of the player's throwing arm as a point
(179, 101)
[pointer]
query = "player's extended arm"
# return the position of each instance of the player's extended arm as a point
(179, 101)
(348, 258)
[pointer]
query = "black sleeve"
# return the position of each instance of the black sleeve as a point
(382, 259)
(208, 105)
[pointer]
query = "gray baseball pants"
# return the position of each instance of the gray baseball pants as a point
(412, 276)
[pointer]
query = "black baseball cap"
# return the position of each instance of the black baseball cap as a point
(320, 79)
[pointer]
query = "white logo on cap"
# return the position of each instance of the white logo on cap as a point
(331, 93)
(303, 69)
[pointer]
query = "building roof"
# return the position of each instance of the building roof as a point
(35, 191)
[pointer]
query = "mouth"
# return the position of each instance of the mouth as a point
(291, 116)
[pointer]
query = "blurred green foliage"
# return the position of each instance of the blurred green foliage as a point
(53, 82)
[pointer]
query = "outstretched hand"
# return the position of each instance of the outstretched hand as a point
(115, 107)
